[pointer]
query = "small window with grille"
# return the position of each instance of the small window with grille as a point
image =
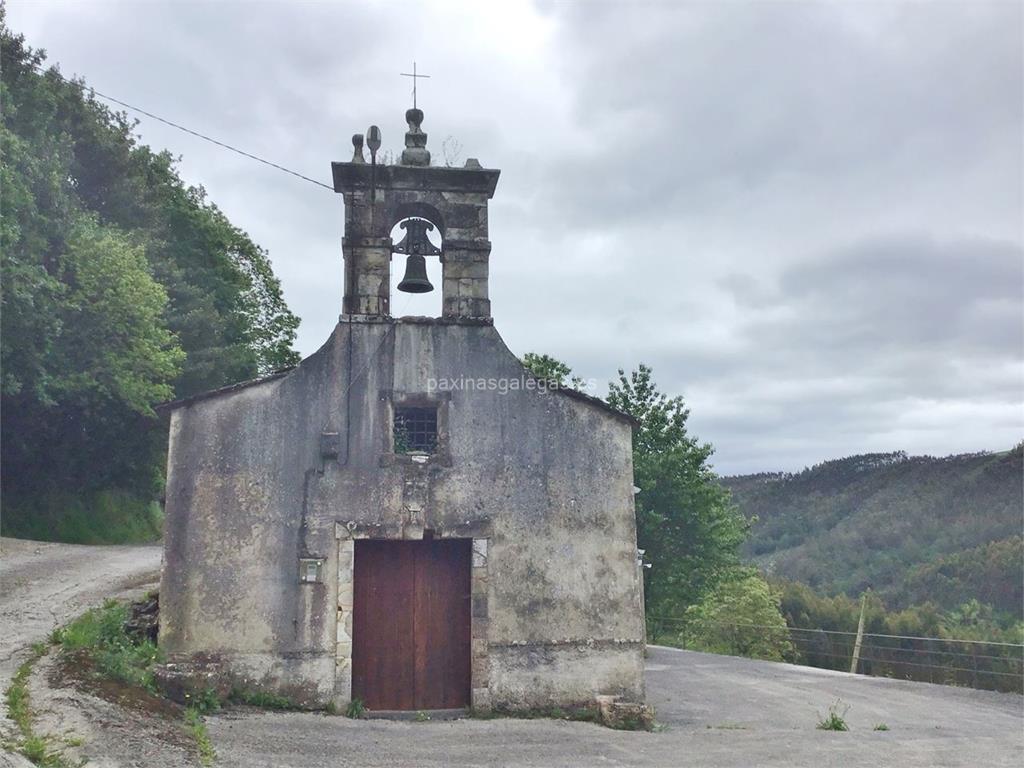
(415, 429)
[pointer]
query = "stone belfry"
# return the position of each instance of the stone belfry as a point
(453, 200)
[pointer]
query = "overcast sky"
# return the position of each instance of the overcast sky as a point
(806, 217)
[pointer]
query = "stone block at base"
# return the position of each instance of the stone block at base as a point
(186, 682)
(625, 715)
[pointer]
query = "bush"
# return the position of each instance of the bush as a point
(739, 617)
(100, 634)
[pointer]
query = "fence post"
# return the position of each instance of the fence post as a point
(974, 665)
(860, 634)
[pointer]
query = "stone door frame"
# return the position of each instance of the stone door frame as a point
(346, 535)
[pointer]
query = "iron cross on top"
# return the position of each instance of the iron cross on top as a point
(413, 75)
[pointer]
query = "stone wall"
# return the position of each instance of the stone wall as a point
(299, 467)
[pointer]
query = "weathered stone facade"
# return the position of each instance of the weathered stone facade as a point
(273, 482)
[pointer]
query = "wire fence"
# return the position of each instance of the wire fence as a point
(969, 663)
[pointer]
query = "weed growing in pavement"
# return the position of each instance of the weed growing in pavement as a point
(355, 708)
(197, 729)
(835, 720)
(260, 698)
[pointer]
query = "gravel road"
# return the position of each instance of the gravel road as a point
(716, 710)
(44, 585)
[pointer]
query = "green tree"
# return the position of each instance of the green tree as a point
(110, 295)
(108, 358)
(121, 287)
(74, 153)
(551, 370)
(686, 523)
(739, 616)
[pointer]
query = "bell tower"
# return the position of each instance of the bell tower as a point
(420, 196)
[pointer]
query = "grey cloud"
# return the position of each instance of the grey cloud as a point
(855, 342)
(907, 292)
(692, 107)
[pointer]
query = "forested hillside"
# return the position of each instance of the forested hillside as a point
(122, 287)
(914, 529)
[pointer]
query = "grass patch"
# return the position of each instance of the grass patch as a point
(881, 727)
(36, 747)
(98, 517)
(204, 702)
(17, 697)
(264, 699)
(99, 636)
(99, 633)
(196, 727)
(835, 720)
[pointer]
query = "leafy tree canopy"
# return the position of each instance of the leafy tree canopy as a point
(686, 523)
(121, 287)
(739, 616)
(551, 370)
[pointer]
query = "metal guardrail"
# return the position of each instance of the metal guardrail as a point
(983, 664)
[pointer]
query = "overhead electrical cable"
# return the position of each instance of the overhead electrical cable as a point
(189, 131)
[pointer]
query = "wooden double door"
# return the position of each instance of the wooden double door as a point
(411, 624)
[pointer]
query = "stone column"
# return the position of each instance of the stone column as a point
(464, 282)
(480, 654)
(343, 649)
(367, 275)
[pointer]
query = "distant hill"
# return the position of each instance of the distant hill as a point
(914, 528)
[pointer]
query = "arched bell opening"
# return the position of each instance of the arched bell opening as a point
(416, 272)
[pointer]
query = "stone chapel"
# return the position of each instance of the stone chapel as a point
(408, 517)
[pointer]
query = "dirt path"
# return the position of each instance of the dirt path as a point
(44, 585)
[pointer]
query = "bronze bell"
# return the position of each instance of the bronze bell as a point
(415, 280)
(416, 244)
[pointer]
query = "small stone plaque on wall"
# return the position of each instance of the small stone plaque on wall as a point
(311, 570)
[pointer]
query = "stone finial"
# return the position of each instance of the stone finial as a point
(357, 143)
(415, 152)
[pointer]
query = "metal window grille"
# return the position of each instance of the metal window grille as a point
(415, 429)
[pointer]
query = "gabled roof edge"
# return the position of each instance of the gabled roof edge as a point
(172, 405)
